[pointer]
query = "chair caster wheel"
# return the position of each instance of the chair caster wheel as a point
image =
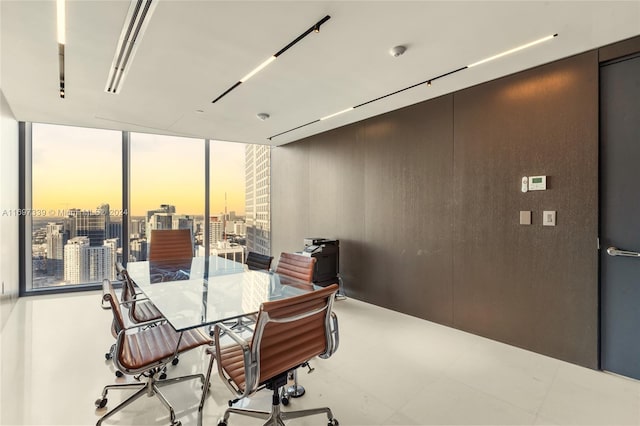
(333, 422)
(176, 423)
(119, 373)
(284, 400)
(163, 376)
(175, 361)
(101, 402)
(222, 423)
(107, 356)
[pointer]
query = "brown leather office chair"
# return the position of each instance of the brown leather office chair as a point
(295, 268)
(256, 261)
(140, 309)
(145, 353)
(171, 247)
(288, 333)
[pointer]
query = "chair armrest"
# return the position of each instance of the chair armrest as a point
(250, 367)
(228, 332)
(334, 337)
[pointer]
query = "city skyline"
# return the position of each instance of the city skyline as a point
(164, 169)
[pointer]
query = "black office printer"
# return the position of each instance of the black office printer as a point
(327, 254)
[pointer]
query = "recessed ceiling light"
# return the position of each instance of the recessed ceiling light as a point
(263, 116)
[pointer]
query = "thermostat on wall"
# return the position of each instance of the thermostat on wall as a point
(537, 183)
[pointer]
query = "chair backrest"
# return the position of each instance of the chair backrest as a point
(296, 266)
(291, 331)
(109, 296)
(128, 288)
(170, 244)
(257, 261)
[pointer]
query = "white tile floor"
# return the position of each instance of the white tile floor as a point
(391, 369)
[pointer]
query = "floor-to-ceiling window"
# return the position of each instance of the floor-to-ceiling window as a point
(227, 227)
(167, 189)
(76, 211)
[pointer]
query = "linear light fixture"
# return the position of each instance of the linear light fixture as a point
(257, 69)
(60, 8)
(314, 28)
(428, 82)
(135, 24)
(515, 49)
(336, 113)
(61, 27)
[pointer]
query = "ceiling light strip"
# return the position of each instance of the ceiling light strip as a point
(138, 17)
(428, 82)
(315, 27)
(61, 30)
(336, 113)
(515, 49)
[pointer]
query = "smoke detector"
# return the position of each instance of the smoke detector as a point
(397, 51)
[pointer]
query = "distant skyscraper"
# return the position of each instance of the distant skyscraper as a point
(216, 230)
(138, 250)
(57, 237)
(164, 208)
(115, 231)
(86, 264)
(112, 243)
(92, 224)
(257, 198)
(239, 227)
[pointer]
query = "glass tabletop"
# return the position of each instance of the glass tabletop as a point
(200, 291)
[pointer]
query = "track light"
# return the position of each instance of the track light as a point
(314, 28)
(515, 49)
(427, 82)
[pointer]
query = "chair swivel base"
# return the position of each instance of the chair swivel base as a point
(150, 388)
(276, 416)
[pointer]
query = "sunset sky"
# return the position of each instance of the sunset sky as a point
(81, 168)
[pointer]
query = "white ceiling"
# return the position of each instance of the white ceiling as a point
(193, 51)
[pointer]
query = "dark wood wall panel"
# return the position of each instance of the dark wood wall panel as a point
(408, 209)
(289, 198)
(336, 166)
(530, 286)
(425, 202)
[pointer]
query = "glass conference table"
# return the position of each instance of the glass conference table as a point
(203, 291)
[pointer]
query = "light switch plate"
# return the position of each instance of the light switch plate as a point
(549, 218)
(525, 217)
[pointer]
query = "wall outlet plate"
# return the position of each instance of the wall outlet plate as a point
(549, 218)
